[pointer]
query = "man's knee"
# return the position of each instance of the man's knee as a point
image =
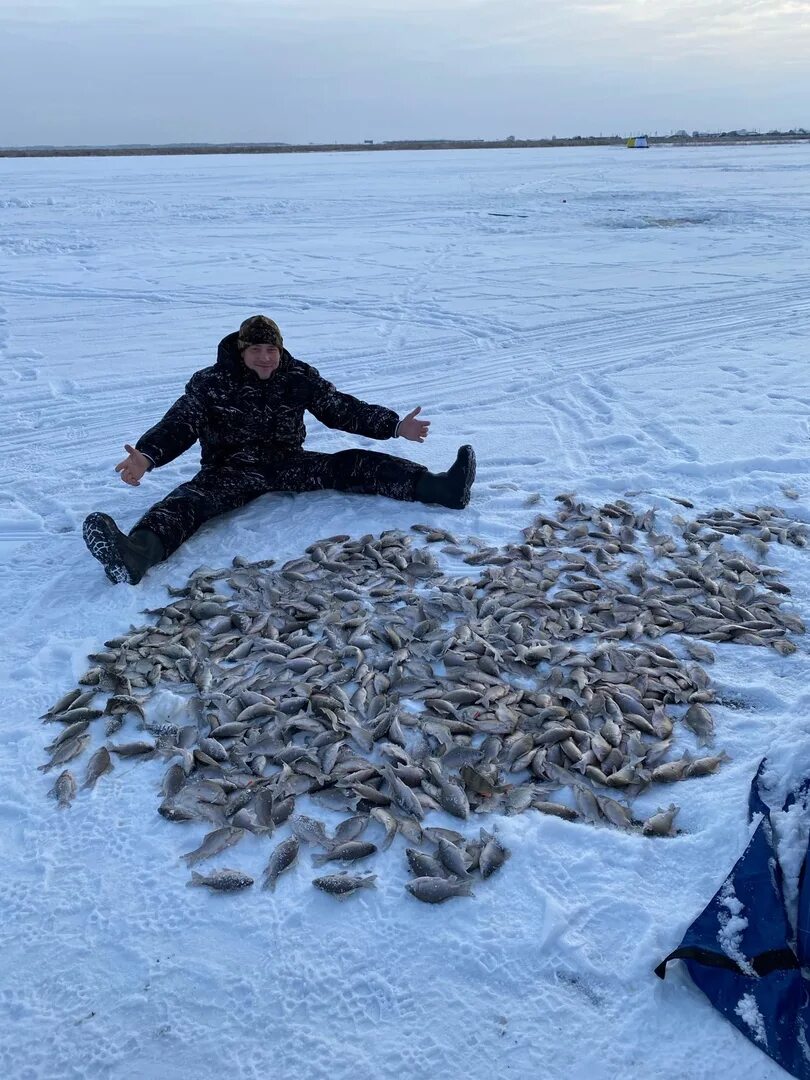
(346, 470)
(344, 460)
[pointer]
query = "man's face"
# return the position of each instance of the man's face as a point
(263, 359)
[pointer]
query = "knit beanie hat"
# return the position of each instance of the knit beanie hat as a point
(258, 330)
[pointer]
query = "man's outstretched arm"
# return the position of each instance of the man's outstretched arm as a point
(175, 433)
(347, 413)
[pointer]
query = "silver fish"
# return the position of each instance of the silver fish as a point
(63, 703)
(403, 795)
(699, 719)
(341, 885)
(493, 854)
(174, 812)
(661, 823)
(347, 852)
(68, 733)
(615, 812)
(173, 780)
(64, 790)
(350, 828)
(113, 724)
(224, 880)
(556, 810)
(133, 749)
(98, 764)
(434, 890)
(388, 822)
(73, 715)
(323, 679)
(215, 842)
(452, 797)
(310, 831)
(704, 766)
(424, 865)
(66, 752)
(671, 770)
(283, 857)
(213, 749)
(452, 857)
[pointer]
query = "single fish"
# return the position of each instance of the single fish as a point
(452, 857)
(172, 812)
(388, 822)
(699, 719)
(452, 797)
(351, 828)
(310, 831)
(282, 808)
(493, 854)
(424, 865)
(215, 842)
(371, 794)
(98, 764)
(615, 812)
(281, 859)
(173, 780)
(64, 790)
(403, 795)
(341, 885)
(661, 823)
(556, 810)
(113, 724)
(224, 880)
(133, 749)
(671, 771)
(262, 806)
(706, 765)
(72, 715)
(434, 890)
(351, 851)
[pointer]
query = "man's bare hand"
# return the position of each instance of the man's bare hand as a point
(133, 466)
(413, 429)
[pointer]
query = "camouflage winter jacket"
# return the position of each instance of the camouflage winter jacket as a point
(241, 419)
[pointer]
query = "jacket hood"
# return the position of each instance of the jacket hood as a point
(230, 358)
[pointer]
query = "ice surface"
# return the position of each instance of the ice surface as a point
(591, 320)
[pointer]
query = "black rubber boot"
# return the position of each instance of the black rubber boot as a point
(451, 488)
(124, 558)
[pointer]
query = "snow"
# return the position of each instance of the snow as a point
(591, 320)
(749, 1013)
(732, 925)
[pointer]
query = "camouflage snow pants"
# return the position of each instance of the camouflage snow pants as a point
(218, 489)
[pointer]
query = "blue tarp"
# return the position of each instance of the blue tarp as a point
(743, 954)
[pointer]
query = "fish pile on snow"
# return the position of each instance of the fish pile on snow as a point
(378, 684)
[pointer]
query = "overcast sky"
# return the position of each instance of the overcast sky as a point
(118, 71)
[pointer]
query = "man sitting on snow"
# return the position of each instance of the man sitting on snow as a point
(247, 411)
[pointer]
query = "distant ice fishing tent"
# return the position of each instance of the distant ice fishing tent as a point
(638, 142)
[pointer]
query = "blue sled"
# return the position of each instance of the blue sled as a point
(760, 981)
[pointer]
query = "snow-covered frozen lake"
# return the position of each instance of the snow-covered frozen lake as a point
(595, 320)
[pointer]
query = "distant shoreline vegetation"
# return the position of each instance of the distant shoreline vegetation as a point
(724, 138)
